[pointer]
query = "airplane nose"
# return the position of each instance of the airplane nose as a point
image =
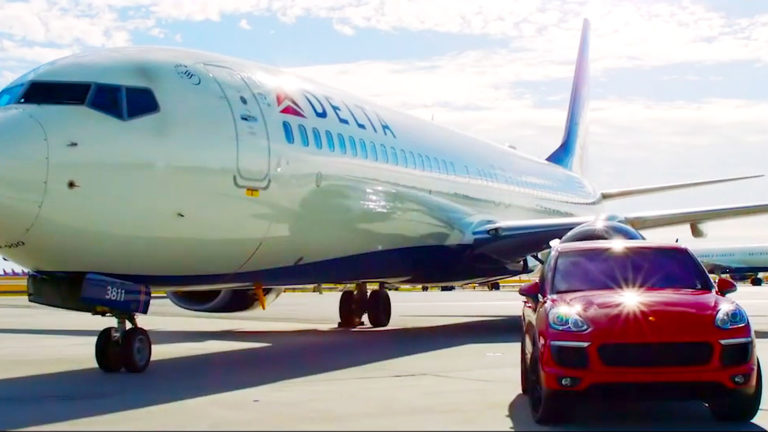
(23, 173)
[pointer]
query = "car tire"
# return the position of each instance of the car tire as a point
(737, 406)
(545, 408)
(523, 366)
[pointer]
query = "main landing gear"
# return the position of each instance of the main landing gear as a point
(118, 347)
(355, 303)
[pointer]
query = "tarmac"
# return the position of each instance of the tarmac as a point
(448, 360)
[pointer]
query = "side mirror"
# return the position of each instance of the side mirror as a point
(725, 286)
(531, 290)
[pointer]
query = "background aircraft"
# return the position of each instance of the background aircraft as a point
(741, 262)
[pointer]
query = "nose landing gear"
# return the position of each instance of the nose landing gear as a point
(118, 347)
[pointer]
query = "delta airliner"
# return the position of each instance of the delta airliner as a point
(223, 181)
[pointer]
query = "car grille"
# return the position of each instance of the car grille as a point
(570, 357)
(655, 354)
(736, 354)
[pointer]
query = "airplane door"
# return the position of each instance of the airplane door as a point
(253, 153)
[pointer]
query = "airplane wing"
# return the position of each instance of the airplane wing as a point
(622, 193)
(500, 238)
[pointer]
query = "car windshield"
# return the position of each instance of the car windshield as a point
(599, 269)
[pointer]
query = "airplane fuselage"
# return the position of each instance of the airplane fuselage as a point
(249, 173)
(733, 258)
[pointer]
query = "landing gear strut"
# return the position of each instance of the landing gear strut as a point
(355, 303)
(118, 347)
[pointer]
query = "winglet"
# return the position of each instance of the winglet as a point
(569, 154)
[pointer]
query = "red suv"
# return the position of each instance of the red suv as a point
(631, 318)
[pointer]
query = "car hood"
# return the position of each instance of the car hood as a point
(632, 315)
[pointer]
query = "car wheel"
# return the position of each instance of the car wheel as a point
(738, 406)
(523, 366)
(544, 406)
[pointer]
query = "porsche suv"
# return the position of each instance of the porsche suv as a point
(635, 319)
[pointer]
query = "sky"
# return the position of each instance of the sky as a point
(678, 88)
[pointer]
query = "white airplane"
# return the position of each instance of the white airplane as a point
(740, 261)
(222, 181)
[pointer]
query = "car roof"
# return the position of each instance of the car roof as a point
(608, 244)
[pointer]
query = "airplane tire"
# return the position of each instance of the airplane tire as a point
(349, 315)
(379, 308)
(136, 350)
(756, 281)
(108, 354)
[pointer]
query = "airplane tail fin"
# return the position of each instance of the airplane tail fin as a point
(570, 153)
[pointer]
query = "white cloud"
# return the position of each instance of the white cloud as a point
(244, 24)
(158, 33)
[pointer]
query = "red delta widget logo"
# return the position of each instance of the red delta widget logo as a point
(342, 112)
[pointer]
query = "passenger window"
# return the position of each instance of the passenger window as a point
(353, 148)
(393, 155)
(421, 162)
(413, 159)
(303, 135)
(428, 163)
(404, 158)
(374, 155)
(436, 164)
(453, 169)
(108, 99)
(139, 102)
(342, 144)
(288, 131)
(445, 166)
(329, 141)
(363, 149)
(55, 93)
(466, 168)
(317, 138)
(384, 157)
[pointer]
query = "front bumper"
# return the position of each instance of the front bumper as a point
(589, 373)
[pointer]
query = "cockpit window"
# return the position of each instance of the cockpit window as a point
(56, 93)
(108, 99)
(120, 102)
(10, 95)
(140, 101)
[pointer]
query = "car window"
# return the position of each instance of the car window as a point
(633, 267)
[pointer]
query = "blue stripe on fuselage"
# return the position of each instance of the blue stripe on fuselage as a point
(420, 264)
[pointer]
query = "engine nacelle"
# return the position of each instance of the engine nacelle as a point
(229, 300)
(603, 229)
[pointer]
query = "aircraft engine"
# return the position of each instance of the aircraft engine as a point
(230, 300)
(602, 229)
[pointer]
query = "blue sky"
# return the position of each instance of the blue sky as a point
(678, 87)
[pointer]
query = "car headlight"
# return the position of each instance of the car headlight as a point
(731, 316)
(566, 318)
